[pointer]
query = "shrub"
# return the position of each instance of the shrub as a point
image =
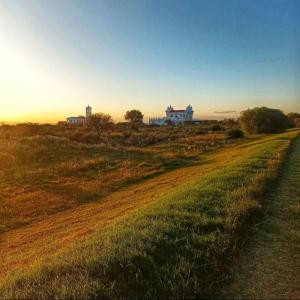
(216, 127)
(100, 122)
(200, 132)
(294, 119)
(84, 136)
(169, 123)
(235, 133)
(263, 120)
(189, 123)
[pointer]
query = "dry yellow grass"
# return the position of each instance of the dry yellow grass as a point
(44, 175)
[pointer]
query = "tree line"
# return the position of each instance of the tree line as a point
(101, 121)
(267, 120)
(252, 121)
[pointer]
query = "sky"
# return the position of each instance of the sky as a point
(220, 56)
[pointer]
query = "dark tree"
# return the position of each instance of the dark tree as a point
(135, 118)
(263, 120)
(216, 127)
(100, 122)
(294, 119)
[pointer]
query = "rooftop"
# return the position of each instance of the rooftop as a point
(79, 117)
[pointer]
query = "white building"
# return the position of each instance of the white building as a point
(175, 116)
(76, 120)
(80, 119)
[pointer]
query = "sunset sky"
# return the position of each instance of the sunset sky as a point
(217, 55)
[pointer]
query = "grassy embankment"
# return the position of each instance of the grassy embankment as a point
(44, 175)
(269, 267)
(45, 230)
(178, 247)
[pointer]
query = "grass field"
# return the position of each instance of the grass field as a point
(45, 174)
(37, 189)
(169, 230)
(270, 266)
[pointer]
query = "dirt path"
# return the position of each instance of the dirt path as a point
(271, 268)
(22, 246)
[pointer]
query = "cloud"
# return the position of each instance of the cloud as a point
(225, 112)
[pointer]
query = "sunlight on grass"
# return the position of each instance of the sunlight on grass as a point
(178, 247)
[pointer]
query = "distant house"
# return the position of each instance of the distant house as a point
(80, 119)
(175, 116)
(76, 120)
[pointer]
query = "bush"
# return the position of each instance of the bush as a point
(216, 127)
(235, 133)
(200, 132)
(294, 119)
(263, 120)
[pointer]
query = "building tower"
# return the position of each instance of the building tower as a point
(189, 113)
(88, 111)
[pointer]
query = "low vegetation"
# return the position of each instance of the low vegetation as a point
(101, 131)
(179, 246)
(47, 169)
(235, 133)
